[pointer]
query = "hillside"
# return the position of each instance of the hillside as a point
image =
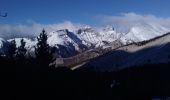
(153, 52)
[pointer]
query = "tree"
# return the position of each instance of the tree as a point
(43, 50)
(21, 51)
(44, 56)
(12, 50)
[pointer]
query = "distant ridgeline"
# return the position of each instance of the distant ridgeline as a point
(150, 40)
(91, 54)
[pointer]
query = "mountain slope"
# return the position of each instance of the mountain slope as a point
(3, 46)
(141, 32)
(156, 51)
(1, 42)
(66, 38)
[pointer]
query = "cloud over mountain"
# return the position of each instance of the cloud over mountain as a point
(124, 21)
(32, 30)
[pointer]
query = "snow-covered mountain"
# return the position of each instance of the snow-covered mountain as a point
(66, 38)
(141, 32)
(153, 52)
(1, 42)
(3, 45)
(30, 43)
(98, 38)
(72, 41)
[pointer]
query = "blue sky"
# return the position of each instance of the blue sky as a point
(29, 17)
(78, 11)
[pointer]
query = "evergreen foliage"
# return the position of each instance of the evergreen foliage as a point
(21, 51)
(43, 50)
(12, 50)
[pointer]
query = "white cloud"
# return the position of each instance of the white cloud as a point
(33, 29)
(127, 20)
(122, 23)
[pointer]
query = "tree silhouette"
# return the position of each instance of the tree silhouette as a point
(12, 50)
(21, 51)
(42, 48)
(43, 52)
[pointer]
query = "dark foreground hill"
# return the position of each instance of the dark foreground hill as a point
(134, 83)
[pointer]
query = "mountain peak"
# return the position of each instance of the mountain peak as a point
(144, 31)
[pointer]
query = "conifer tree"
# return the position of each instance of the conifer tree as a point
(12, 50)
(42, 50)
(21, 51)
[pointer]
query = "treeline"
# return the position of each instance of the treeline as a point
(17, 59)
